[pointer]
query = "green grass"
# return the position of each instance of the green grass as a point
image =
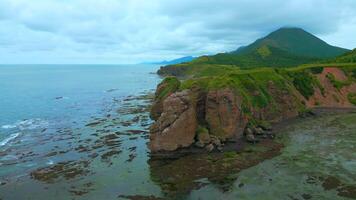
(168, 85)
(352, 98)
(252, 85)
(349, 57)
(338, 84)
(303, 82)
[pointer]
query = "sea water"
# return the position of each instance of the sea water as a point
(81, 132)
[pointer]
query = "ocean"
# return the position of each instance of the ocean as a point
(81, 132)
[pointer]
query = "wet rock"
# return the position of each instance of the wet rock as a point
(131, 157)
(209, 148)
(199, 144)
(215, 141)
(258, 131)
(109, 154)
(140, 197)
(93, 123)
(68, 170)
(251, 138)
(177, 124)
(248, 131)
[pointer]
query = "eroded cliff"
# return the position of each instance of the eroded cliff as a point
(207, 111)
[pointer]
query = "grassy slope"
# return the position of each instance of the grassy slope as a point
(296, 41)
(267, 56)
(249, 82)
(286, 47)
(349, 57)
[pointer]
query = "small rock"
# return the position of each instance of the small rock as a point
(216, 141)
(209, 147)
(250, 138)
(258, 131)
(248, 131)
(199, 144)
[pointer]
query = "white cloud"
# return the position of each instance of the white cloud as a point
(119, 31)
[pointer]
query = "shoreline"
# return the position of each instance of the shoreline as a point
(239, 145)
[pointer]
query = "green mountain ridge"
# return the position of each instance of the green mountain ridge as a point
(295, 41)
(285, 47)
(349, 57)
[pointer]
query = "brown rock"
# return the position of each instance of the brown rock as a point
(224, 115)
(176, 125)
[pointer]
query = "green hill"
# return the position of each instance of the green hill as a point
(349, 57)
(295, 41)
(284, 47)
(262, 56)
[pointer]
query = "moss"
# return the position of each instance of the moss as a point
(264, 51)
(337, 83)
(254, 86)
(316, 70)
(352, 98)
(202, 130)
(304, 83)
(230, 154)
(167, 86)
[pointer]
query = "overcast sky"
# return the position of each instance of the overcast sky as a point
(124, 31)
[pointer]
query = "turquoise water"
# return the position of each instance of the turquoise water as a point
(80, 132)
(45, 110)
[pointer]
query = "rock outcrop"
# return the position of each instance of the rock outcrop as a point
(224, 116)
(176, 125)
(210, 116)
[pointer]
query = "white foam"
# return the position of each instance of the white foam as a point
(50, 162)
(27, 124)
(8, 126)
(9, 139)
(32, 124)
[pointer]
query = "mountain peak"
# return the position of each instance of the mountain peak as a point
(296, 41)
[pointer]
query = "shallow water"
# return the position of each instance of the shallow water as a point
(80, 132)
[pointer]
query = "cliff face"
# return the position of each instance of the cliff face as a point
(209, 111)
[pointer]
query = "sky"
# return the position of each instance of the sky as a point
(134, 31)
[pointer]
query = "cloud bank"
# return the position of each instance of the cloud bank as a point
(130, 31)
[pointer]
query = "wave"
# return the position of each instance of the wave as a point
(8, 126)
(9, 139)
(27, 124)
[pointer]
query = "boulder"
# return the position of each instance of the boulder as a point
(209, 148)
(251, 138)
(177, 124)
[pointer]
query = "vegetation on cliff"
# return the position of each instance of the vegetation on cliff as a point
(246, 90)
(285, 47)
(255, 97)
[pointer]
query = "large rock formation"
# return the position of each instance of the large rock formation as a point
(176, 125)
(224, 116)
(208, 116)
